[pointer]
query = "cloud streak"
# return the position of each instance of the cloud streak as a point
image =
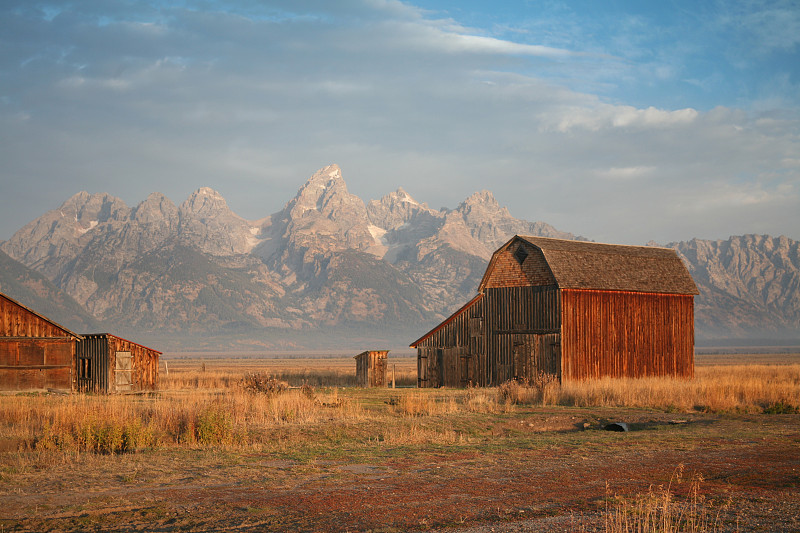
(252, 98)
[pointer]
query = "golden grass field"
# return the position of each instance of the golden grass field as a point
(204, 407)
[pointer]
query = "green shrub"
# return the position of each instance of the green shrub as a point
(781, 408)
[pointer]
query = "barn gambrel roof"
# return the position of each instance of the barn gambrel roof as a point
(609, 267)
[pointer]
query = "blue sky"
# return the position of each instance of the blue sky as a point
(620, 121)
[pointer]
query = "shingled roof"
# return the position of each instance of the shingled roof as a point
(611, 267)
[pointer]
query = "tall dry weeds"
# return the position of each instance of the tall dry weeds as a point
(740, 388)
(676, 507)
(118, 424)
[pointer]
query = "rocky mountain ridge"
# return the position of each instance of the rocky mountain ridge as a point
(331, 266)
(749, 286)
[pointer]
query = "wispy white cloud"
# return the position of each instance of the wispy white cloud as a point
(626, 173)
(253, 97)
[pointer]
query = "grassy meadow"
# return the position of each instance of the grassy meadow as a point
(302, 409)
(204, 403)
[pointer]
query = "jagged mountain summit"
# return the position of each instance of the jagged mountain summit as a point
(326, 260)
(330, 266)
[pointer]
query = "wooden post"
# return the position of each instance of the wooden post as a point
(166, 367)
(394, 367)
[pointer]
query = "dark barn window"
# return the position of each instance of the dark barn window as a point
(521, 254)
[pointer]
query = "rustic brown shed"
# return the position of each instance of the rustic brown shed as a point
(371, 368)
(111, 364)
(35, 352)
(571, 309)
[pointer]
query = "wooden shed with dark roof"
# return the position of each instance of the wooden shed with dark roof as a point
(571, 309)
(110, 364)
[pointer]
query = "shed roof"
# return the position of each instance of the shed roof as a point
(367, 352)
(101, 335)
(611, 267)
(447, 321)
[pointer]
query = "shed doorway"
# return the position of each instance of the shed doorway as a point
(124, 371)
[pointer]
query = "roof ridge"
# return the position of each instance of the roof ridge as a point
(643, 246)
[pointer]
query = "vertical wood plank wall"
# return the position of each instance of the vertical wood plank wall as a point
(371, 368)
(17, 321)
(455, 354)
(145, 362)
(516, 319)
(512, 332)
(92, 373)
(626, 334)
(101, 350)
(517, 332)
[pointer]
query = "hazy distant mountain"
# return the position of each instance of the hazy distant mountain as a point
(749, 286)
(330, 269)
(35, 291)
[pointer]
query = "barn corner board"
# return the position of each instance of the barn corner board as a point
(569, 309)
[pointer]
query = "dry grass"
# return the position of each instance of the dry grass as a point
(739, 388)
(116, 424)
(213, 407)
(677, 507)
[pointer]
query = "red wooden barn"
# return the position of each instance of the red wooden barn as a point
(35, 352)
(571, 309)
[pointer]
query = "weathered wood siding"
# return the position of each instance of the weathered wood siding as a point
(35, 353)
(523, 325)
(626, 334)
(569, 309)
(39, 363)
(18, 321)
(455, 354)
(107, 363)
(371, 368)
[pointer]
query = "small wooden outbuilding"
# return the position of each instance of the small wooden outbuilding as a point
(107, 363)
(35, 352)
(371, 368)
(570, 309)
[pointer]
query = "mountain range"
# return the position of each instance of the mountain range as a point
(328, 270)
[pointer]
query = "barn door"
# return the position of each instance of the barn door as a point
(465, 360)
(422, 368)
(436, 376)
(524, 356)
(123, 371)
(553, 355)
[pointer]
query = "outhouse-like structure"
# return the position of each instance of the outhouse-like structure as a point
(570, 309)
(371, 368)
(35, 352)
